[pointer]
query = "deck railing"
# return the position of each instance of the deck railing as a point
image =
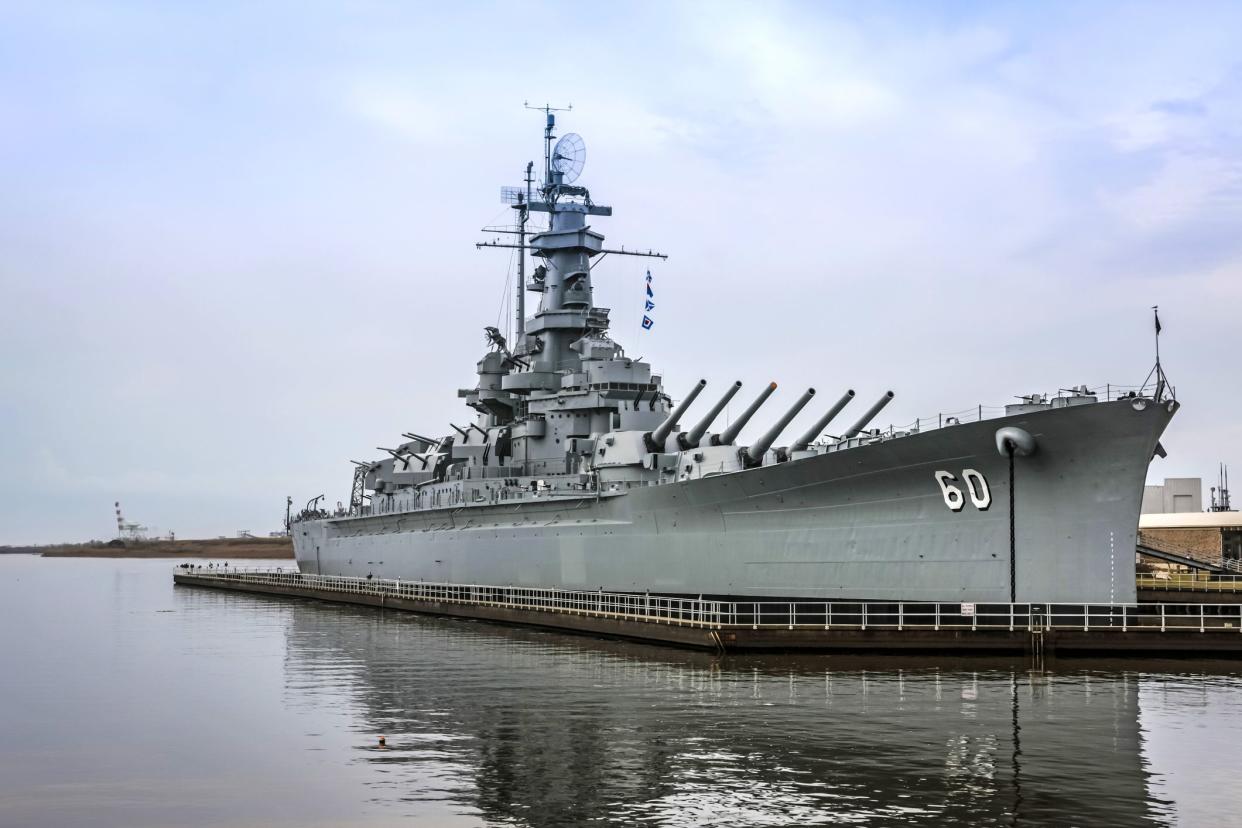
(978, 413)
(707, 613)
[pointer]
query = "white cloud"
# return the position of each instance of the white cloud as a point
(1185, 188)
(860, 179)
(399, 111)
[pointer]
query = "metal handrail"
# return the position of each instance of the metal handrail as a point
(980, 412)
(707, 613)
(1178, 582)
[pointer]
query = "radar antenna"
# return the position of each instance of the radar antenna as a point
(547, 110)
(568, 157)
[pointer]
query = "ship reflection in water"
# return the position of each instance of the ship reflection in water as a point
(525, 727)
(128, 703)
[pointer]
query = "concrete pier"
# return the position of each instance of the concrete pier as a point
(1182, 629)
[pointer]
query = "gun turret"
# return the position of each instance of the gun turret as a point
(755, 453)
(727, 436)
(402, 455)
(869, 416)
(655, 440)
(814, 431)
(692, 437)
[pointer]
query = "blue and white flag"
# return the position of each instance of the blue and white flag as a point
(648, 305)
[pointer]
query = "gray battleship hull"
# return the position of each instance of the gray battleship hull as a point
(869, 522)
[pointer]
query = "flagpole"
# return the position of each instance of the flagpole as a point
(1157, 370)
(1155, 309)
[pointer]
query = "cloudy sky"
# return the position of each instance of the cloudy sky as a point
(237, 239)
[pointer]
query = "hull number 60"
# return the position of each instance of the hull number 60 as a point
(976, 488)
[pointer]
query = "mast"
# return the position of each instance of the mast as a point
(548, 134)
(547, 145)
(566, 311)
(523, 208)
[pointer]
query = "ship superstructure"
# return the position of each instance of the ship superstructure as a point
(577, 470)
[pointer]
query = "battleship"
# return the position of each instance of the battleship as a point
(577, 470)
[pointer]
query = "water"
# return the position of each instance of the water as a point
(127, 702)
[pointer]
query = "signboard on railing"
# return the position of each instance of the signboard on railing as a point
(968, 610)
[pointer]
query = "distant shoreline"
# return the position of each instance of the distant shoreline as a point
(250, 548)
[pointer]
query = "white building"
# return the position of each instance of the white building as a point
(1176, 496)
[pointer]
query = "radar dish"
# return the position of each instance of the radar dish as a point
(568, 156)
(512, 195)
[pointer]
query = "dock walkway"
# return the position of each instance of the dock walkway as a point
(1200, 587)
(1193, 629)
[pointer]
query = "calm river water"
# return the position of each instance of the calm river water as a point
(127, 702)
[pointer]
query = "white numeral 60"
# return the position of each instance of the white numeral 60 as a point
(976, 487)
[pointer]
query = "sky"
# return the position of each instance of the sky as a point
(237, 239)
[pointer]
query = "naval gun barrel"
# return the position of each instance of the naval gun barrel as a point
(869, 416)
(735, 428)
(655, 440)
(694, 435)
(758, 448)
(814, 431)
(639, 396)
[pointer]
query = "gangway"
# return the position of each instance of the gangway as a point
(1182, 560)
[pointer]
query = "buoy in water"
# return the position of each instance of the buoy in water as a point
(383, 741)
